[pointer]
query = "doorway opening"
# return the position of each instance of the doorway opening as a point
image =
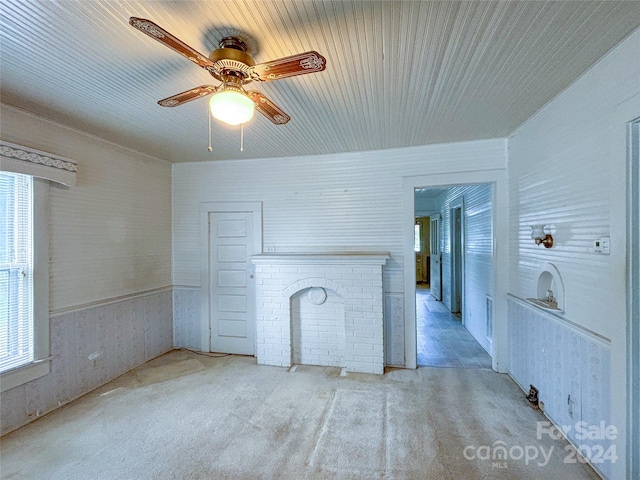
(457, 257)
(453, 324)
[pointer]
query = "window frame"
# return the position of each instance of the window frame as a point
(417, 231)
(40, 366)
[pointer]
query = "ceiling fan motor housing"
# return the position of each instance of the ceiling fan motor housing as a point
(233, 42)
(231, 59)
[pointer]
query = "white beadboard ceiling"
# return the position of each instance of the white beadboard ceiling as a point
(431, 192)
(399, 73)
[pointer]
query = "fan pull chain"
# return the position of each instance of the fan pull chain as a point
(242, 137)
(210, 148)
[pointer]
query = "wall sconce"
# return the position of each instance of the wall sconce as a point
(538, 234)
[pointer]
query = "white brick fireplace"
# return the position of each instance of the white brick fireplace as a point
(320, 309)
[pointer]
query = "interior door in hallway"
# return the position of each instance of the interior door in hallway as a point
(436, 257)
(231, 285)
(422, 250)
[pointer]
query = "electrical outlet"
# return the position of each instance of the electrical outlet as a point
(93, 358)
(270, 249)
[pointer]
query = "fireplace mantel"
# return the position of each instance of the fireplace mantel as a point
(346, 330)
(359, 258)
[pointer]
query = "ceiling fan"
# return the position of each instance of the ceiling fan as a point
(231, 63)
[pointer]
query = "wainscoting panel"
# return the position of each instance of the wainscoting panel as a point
(394, 329)
(186, 322)
(120, 334)
(186, 317)
(569, 366)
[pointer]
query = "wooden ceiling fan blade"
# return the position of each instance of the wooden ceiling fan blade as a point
(161, 35)
(184, 97)
(300, 64)
(267, 108)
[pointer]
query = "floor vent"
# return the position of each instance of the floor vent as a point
(488, 326)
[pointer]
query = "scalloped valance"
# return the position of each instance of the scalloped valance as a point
(19, 159)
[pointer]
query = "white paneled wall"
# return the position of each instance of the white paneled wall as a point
(567, 169)
(109, 265)
(110, 235)
(478, 261)
(346, 202)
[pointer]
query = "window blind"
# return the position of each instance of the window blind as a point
(16, 270)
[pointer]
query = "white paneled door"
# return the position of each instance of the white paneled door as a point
(231, 285)
(436, 258)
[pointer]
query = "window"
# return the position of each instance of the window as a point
(24, 328)
(417, 243)
(16, 271)
(24, 259)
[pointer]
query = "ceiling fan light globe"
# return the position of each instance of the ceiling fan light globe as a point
(231, 107)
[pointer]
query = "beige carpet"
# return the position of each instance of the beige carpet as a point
(188, 416)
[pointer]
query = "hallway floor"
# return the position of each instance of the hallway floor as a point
(442, 339)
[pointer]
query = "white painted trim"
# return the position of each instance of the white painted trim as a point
(633, 300)
(28, 161)
(561, 319)
(41, 269)
(220, 207)
(500, 254)
(40, 365)
(24, 374)
(362, 258)
(457, 203)
(109, 301)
